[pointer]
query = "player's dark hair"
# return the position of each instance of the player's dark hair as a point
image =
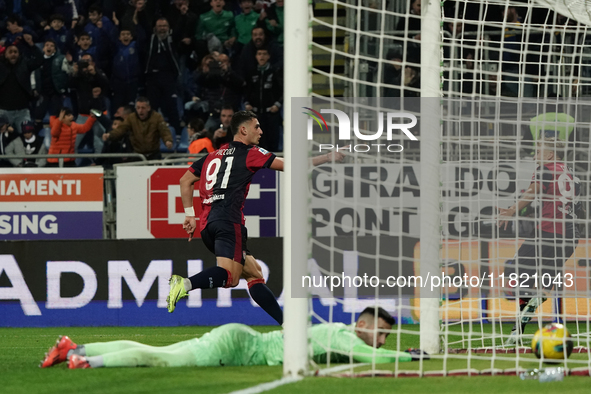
(83, 34)
(50, 40)
(380, 312)
(119, 118)
(142, 99)
(67, 110)
(239, 118)
(128, 109)
(58, 17)
(197, 125)
(95, 8)
(14, 18)
(227, 106)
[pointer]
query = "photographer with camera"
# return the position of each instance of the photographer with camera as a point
(220, 86)
(89, 83)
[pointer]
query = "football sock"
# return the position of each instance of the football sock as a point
(210, 278)
(95, 361)
(263, 296)
(80, 350)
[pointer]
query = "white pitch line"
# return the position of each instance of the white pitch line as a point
(339, 368)
(267, 386)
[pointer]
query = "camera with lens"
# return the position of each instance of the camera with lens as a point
(82, 64)
(215, 67)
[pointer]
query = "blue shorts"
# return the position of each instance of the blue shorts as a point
(226, 239)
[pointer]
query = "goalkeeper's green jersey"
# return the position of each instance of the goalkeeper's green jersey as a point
(237, 344)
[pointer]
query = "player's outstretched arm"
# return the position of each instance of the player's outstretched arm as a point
(366, 354)
(277, 164)
(187, 187)
(332, 156)
(528, 196)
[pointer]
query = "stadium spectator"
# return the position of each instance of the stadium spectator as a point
(247, 62)
(219, 128)
(121, 146)
(162, 72)
(63, 136)
(140, 14)
(16, 92)
(10, 144)
(401, 77)
(69, 9)
(86, 78)
(145, 127)
(239, 345)
(124, 111)
(219, 85)
(511, 52)
(414, 20)
(264, 96)
(126, 70)
(217, 27)
(103, 33)
(57, 31)
(245, 22)
(33, 145)
(200, 141)
(275, 21)
(51, 82)
(185, 24)
(16, 32)
(83, 46)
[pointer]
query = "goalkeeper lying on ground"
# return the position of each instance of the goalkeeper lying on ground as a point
(237, 344)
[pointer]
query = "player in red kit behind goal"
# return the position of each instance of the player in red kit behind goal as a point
(556, 233)
(224, 178)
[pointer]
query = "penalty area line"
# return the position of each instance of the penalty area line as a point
(268, 386)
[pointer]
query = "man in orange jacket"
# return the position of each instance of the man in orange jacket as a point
(63, 136)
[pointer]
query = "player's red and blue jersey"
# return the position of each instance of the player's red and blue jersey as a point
(560, 190)
(225, 179)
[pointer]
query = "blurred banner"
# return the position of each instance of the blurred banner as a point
(123, 283)
(51, 203)
(149, 203)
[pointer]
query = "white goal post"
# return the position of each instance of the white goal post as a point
(485, 80)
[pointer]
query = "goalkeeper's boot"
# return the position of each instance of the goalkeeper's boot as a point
(417, 354)
(525, 317)
(78, 362)
(59, 352)
(177, 291)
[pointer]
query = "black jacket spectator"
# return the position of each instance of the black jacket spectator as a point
(220, 84)
(185, 25)
(15, 79)
(248, 61)
(84, 81)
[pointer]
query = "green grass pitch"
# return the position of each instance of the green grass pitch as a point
(21, 350)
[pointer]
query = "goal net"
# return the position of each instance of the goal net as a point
(480, 89)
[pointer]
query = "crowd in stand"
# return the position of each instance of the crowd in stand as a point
(121, 76)
(512, 61)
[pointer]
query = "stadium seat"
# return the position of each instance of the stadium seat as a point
(163, 147)
(183, 145)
